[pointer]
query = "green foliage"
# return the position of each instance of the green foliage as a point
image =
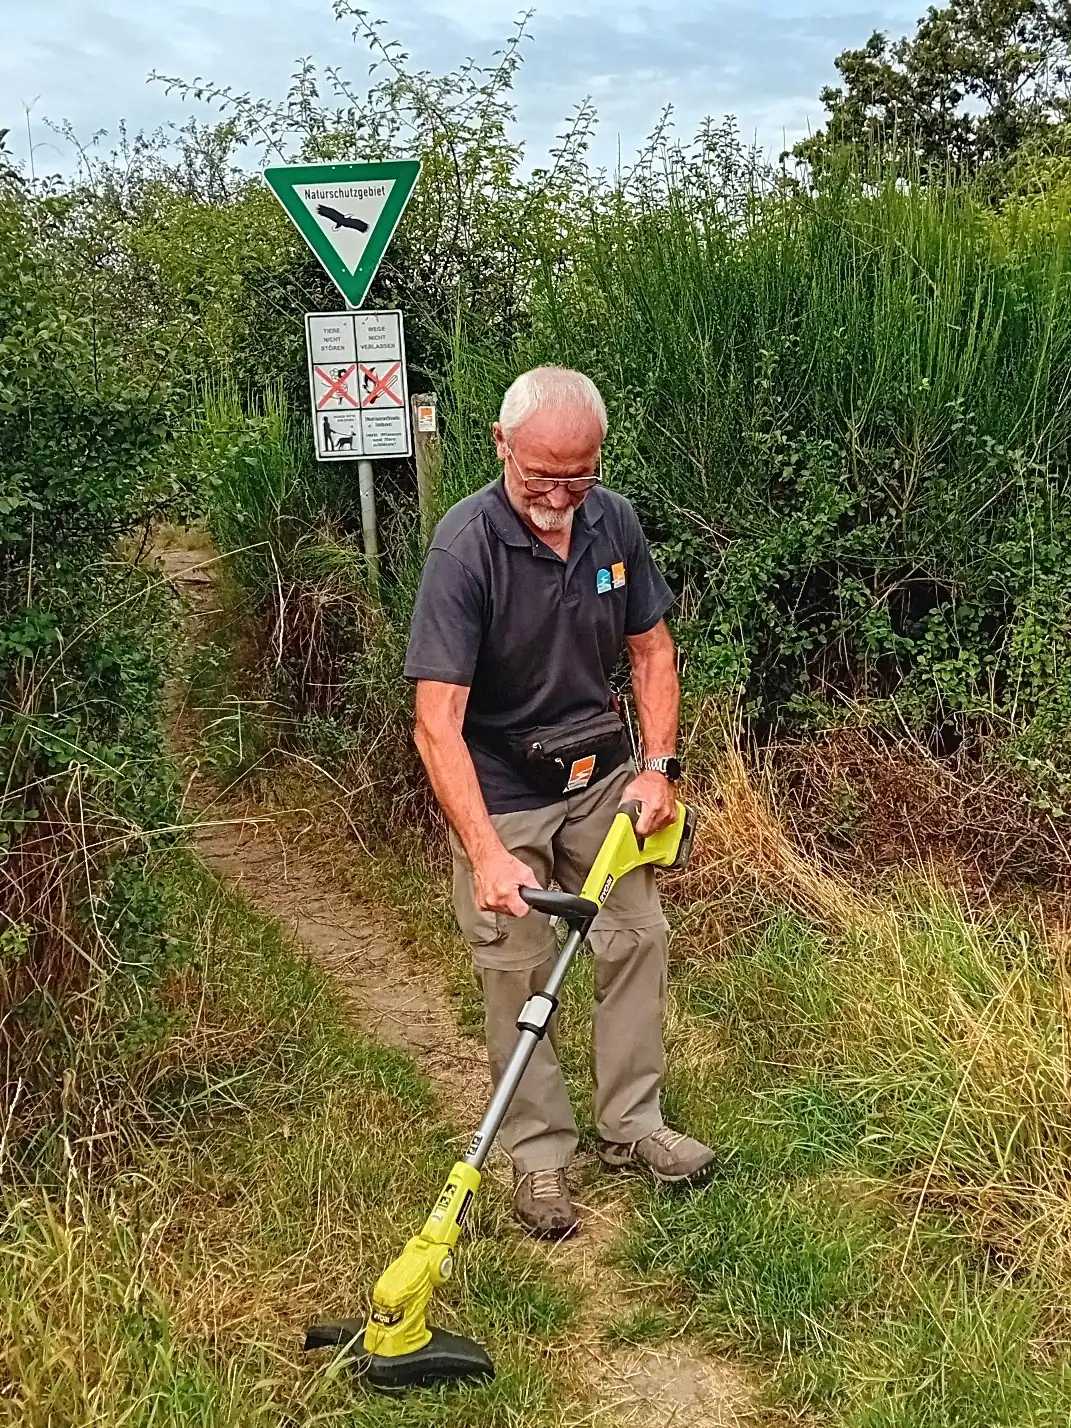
(975, 83)
(842, 419)
(83, 425)
(839, 412)
(9, 173)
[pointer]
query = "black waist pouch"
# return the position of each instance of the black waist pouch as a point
(566, 758)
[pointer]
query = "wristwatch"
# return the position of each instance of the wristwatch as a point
(667, 765)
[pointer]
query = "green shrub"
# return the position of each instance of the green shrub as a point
(83, 632)
(842, 417)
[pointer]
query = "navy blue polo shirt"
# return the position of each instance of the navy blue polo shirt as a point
(533, 637)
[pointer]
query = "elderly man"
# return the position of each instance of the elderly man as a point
(532, 588)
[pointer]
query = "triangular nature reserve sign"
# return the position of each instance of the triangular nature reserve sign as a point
(347, 214)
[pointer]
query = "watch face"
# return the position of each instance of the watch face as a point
(673, 770)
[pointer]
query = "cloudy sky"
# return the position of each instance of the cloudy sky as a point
(762, 60)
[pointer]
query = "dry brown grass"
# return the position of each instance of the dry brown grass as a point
(743, 846)
(868, 805)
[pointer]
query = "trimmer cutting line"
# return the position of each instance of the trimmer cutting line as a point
(399, 1350)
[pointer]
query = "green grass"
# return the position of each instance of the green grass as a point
(277, 1162)
(888, 1221)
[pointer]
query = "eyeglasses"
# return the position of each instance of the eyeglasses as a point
(541, 485)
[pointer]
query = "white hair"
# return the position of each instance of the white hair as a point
(556, 387)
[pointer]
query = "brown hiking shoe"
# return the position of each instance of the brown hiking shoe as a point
(542, 1205)
(671, 1158)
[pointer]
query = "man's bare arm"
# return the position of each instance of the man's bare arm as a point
(658, 698)
(440, 713)
(657, 688)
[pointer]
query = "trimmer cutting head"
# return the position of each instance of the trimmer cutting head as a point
(445, 1358)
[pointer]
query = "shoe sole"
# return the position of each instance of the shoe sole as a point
(548, 1234)
(629, 1163)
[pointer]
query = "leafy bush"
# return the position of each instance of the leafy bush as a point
(82, 637)
(840, 410)
(842, 416)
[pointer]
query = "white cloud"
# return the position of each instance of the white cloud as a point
(763, 61)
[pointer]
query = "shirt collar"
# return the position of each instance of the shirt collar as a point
(509, 527)
(507, 523)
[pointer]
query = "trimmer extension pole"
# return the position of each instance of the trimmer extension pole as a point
(527, 1042)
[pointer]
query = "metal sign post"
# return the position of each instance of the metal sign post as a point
(368, 523)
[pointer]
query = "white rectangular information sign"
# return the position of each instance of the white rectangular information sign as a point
(357, 379)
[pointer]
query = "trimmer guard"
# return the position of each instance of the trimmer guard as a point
(443, 1359)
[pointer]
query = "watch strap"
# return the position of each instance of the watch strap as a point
(667, 765)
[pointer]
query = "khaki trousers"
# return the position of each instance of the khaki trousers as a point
(513, 957)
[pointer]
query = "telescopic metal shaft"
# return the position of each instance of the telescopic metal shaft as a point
(527, 1042)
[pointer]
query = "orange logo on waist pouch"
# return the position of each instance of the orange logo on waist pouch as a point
(580, 773)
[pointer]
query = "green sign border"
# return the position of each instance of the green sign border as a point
(352, 285)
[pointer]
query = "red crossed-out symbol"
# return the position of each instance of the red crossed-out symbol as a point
(336, 386)
(380, 386)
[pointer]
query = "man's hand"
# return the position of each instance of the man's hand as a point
(497, 878)
(659, 800)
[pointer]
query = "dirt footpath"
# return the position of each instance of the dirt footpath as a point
(405, 1004)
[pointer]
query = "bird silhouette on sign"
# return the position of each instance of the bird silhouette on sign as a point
(341, 220)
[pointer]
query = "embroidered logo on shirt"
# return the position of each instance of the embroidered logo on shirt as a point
(604, 582)
(580, 773)
(619, 574)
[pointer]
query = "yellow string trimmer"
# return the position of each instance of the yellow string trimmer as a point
(399, 1349)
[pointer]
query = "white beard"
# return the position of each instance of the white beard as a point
(546, 518)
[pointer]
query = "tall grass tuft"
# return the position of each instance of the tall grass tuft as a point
(844, 416)
(325, 653)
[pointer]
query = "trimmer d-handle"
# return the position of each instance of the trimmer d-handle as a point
(578, 912)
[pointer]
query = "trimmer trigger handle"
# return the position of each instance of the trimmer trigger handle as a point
(632, 810)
